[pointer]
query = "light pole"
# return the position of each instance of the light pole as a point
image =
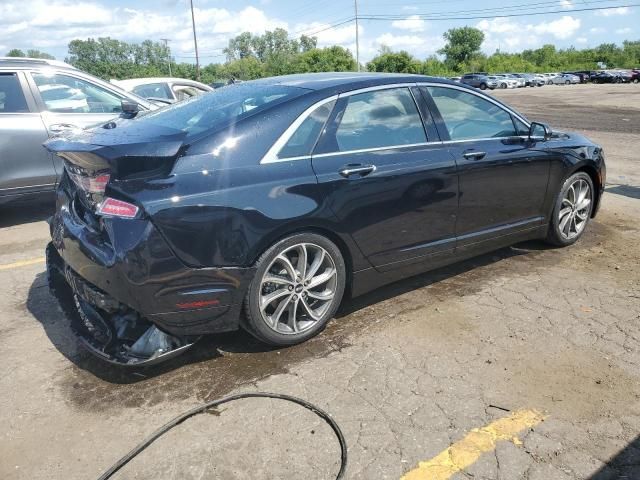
(355, 4)
(195, 41)
(166, 47)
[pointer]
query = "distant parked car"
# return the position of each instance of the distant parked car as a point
(455, 79)
(635, 75)
(479, 81)
(565, 79)
(169, 89)
(608, 76)
(583, 75)
(38, 100)
(505, 81)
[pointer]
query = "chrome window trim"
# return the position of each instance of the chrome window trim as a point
(375, 149)
(272, 154)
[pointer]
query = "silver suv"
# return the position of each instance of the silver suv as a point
(478, 80)
(42, 98)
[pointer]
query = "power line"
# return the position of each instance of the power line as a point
(476, 17)
(526, 6)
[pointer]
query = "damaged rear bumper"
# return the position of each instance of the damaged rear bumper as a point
(107, 328)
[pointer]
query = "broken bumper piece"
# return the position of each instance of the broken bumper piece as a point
(110, 330)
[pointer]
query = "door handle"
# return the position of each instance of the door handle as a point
(474, 155)
(62, 127)
(361, 170)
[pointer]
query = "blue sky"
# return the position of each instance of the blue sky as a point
(50, 24)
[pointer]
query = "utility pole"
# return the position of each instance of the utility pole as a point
(355, 4)
(166, 47)
(195, 42)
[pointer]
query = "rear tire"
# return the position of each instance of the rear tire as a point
(503, 85)
(572, 210)
(483, 86)
(297, 288)
(567, 82)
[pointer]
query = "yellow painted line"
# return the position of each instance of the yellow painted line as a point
(467, 451)
(22, 263)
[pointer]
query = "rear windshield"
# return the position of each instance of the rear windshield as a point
(224, 105)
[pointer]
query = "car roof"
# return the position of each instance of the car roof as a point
(22, 62)
(345, 81)
(134, 82)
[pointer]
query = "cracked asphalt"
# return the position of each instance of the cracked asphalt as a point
(407, 371)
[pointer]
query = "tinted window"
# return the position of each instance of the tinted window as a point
(304, 138)
(382, 118)
(234, 102)
(468, 116)
(11, 97)
(154, 90)
(66, 94)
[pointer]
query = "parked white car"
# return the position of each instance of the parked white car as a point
(504, 81)
(164, 89)
(565, 79)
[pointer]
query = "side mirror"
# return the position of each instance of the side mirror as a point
(129, 107)
(540, 130)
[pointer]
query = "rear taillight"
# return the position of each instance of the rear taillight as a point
(117, 208)
(90, 184)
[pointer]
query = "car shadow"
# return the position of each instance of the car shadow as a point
(18, 212)
(625, 465)
(434, 276)
(56, 319)
(626, 190)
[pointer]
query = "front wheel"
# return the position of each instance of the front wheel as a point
(572, 210)
(503, 85)
(483, 86)
(567, 82)
(297, 288)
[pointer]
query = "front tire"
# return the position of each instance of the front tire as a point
(483, 86)
(297, 288)
(572, 210)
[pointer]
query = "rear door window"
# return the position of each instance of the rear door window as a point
(378, 119)
(11, 95)
(468, 116)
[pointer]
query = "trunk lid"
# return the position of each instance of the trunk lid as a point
(116, 151)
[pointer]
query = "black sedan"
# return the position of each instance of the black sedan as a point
(263, 204)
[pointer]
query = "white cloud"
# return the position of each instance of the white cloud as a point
(562, 28)
(52, 24)
(609, 12)
(510, 35)
(566, 4)
(412, 23)
(582, 40)
(596, 30)
(624, 31)
(418, 45)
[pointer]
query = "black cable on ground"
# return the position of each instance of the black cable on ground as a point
(215, 403)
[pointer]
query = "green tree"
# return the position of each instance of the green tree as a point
(39, 54)
(463, 44)
(16, 52)
(395, 62)
(330, 59)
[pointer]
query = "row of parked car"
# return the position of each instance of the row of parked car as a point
(484, 80)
